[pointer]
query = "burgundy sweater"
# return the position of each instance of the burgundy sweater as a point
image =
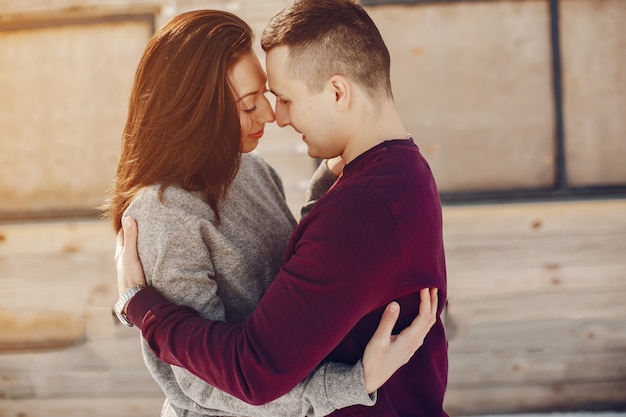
(376, 236)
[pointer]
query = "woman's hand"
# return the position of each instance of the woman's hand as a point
(336, 165)
(386, 353)
(129, 270)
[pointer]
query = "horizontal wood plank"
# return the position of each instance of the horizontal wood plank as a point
(531, 219)
(123, 405)
(594, 304)
(485, 400)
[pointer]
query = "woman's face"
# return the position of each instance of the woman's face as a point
(250, 84)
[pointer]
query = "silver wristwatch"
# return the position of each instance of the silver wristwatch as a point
(121, 303)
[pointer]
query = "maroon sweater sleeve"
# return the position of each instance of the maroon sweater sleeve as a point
(330, 280)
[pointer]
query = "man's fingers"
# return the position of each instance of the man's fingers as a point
(129, 247)
(127, 263)
(119, 244)
(387, 322)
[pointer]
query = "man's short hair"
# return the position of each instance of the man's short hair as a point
(331, 37)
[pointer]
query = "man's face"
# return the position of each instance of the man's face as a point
(309, 114)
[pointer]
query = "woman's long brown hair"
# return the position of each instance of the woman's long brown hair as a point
(183, 124)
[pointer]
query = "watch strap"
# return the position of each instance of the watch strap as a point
(121, 303)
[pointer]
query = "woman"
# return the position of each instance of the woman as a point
(207, 208)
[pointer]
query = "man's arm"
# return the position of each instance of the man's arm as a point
(274, 349)
(170, 242)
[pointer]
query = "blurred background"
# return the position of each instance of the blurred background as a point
(519, 105)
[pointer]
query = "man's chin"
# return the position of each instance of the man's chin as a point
(314, 153)
(318, 153)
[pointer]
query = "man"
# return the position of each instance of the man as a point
(373, 238)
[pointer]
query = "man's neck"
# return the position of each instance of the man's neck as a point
(373, 128)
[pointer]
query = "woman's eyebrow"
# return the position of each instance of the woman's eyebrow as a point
(246, 95)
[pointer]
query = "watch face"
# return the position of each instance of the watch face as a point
(123, 318)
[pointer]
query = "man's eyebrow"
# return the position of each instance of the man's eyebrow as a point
(275, 93)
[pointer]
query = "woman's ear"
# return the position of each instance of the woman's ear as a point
(342, 90)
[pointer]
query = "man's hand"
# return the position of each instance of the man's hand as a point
(386, 353)
(129, 270)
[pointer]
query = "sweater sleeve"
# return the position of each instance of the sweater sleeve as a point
(168, 235)
(324, 288)
(321, 181)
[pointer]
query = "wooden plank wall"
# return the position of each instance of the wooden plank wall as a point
(61, 351)
(60, 128)
(536, 318)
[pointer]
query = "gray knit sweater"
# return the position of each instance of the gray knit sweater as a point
(222, 270)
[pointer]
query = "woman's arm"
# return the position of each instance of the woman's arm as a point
(326, 174)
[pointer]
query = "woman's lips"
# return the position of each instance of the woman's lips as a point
(258, 134)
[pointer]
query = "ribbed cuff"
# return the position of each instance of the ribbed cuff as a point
(345, 386)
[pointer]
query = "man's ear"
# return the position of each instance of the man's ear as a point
(342, 90)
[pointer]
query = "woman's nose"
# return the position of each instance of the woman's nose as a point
(267, 113)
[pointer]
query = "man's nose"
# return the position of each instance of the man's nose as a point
(282, 116)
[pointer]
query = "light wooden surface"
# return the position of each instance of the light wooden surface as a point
(594, 62)
(536, 318)
(61, 128)
(472, 81)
